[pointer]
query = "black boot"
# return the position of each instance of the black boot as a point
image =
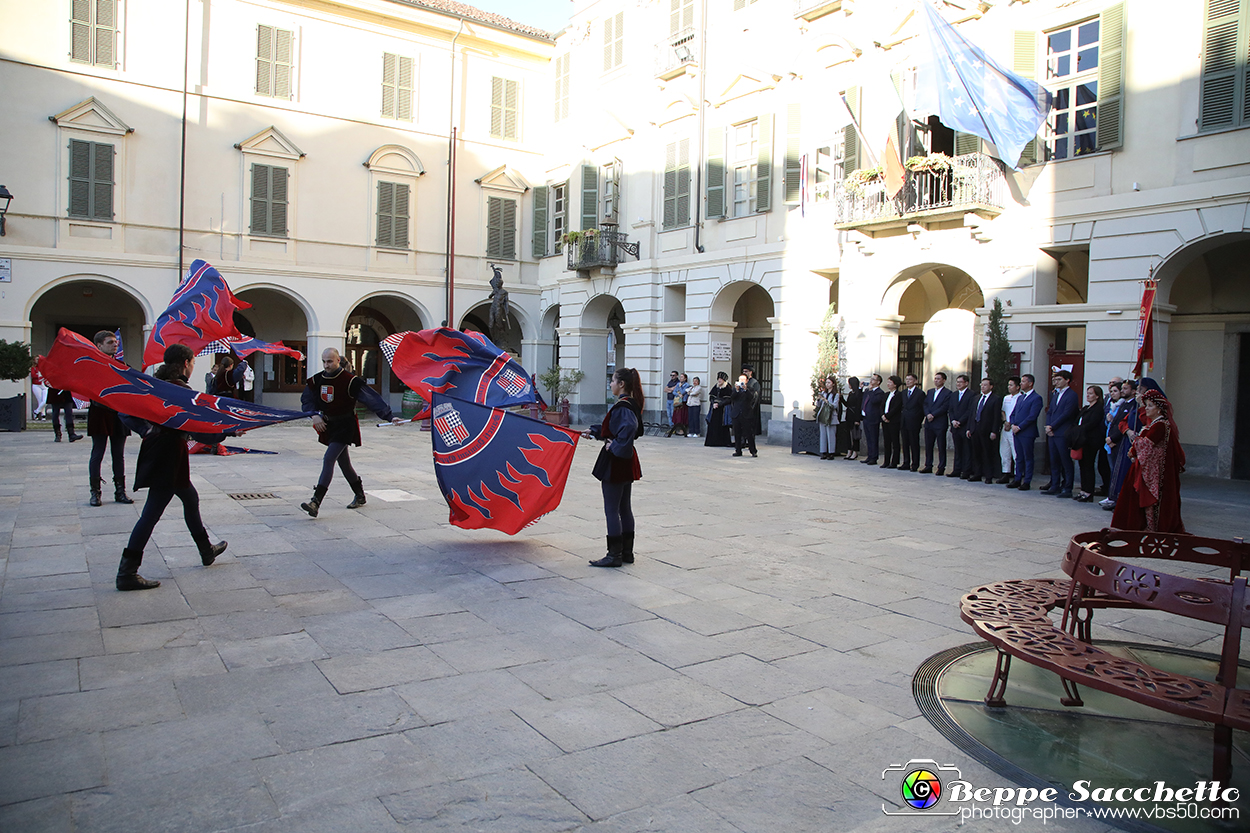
(613, 558)
(95, 490)
(209, 551)
(358, 488)
(128, 577)
(313, 506)
(119, 491)
(58, 437)
(627, 548)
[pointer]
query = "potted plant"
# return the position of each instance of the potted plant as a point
(559, 383)
(932, 163)
(858, 179)
(15, 365)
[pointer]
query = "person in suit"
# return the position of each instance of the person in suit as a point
(1024, 428)
(1061, 414)
(983, 432)
(873, 409)
(937, 407)
(1007, 443)
(961, 422)
(913, 419)
(892, 422)
(746, 397)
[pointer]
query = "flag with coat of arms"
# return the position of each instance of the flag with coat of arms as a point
(460, 364)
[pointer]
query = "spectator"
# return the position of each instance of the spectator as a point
(892, 422)
(694, 408)
(248, 393)
(913, 418)
(1024, 428)
(854, 416)
(105, 429)
(39, 393)
(745, 399)
(872, 410)
(1150, 498)
(828, 403)
(62, 401)
(681, 414)
(1119, 443)
(718, 418)
(1060, 416)
(227, 378)
(1112, 402)
(962, 404)
(1084, 440)
(937, 406)
(669, 387)
(983, 434)
(1007, 444)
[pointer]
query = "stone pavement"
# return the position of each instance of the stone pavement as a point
(380, 670)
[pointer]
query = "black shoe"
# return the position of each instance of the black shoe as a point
(616, 545)
(627, 548)
(938, 472)
(128, 577)
(753, 454)
(1048, 491)
(1024, 487)
(1013, 484)
(1065, 493)
(1084, 498)
(926, 470)
(58, 438)
(990, 480)
(95, 498)
(209, 552)
(1006, 478)
(75, 437)
(957, 474)
(736, 454)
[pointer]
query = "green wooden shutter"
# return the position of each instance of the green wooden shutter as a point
(670, 178)
(540, 222)
(850, 150)
(494, 226)
(1224, 64)
(508, 236)
(683, 183)
(590, 197)
(715, 172)
(264, 60)
(404, 90)
(105, 32)
(260, 199)
(386, 214)
(102, 182)
(966, 143)
(511, 107)
(794, 154)
(1024, 64)
(401, 215)
(390, 73)
(79, 178)
(764, 168)
(282, 63)
(80, 31)
(277, 201)
(1110, 126)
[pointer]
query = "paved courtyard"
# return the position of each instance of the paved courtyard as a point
(380, 670)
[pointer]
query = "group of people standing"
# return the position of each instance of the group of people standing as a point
(1128, 438)
(732, 416)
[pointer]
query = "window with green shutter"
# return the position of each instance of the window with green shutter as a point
(677, 184)
(794, 154)
(501, 228)
(850, 133)
(90, 180)
(274, 61)
(1224, 98)
(613, 41)
(393, 201)
(538, 243)
(590, 197)
(715, 189)
(764, 165)
(559, 215)
(93, 32)
(504, 108)
(397, 87)
(269, 201)
(1085, 73)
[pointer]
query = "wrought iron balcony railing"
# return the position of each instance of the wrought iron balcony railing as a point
(598, 247)
(676, 51)
(973, 183)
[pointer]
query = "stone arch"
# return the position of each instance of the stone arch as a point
(86, 302)
(310, 314)
(520, 329)
(939, 327)
(412, 316)
(149, 314)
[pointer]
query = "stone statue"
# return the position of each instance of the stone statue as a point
(499, 323)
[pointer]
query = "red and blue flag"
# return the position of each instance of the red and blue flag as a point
(498, 469)
(464, 365)
(245, 346)
(74, 363)
(202, 310)
(120, 355)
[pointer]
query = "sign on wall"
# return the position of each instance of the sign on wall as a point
(6, 270)
(722, 351)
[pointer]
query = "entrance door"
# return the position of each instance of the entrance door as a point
(1241, 433)
(758, 352)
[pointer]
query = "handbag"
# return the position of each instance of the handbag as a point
(1077, 453)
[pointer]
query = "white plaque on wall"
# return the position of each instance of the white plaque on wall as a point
(722, 351)
(6, 270)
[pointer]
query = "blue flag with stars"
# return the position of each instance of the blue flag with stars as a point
(970, 92)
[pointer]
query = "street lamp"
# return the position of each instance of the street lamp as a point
(4, 209)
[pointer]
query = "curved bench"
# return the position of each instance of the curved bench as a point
(1014, 616)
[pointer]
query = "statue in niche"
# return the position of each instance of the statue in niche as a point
(499, 323)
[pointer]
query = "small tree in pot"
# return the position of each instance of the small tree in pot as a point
(559, 383)
(15, 365)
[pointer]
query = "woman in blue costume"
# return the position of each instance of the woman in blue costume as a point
(617, 466)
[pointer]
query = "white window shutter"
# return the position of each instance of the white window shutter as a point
(283, 63)
(264, 60)
(390, 74)
(404, 89)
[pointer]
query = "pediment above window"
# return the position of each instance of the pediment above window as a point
(271, 142)
(395, 159)
(837, 51)
(748, 83)
(677, 107)
(93, 116)
(504, 178)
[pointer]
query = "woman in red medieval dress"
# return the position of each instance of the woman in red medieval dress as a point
(1151, 497)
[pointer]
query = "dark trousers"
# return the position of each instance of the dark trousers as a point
(617, 508)
(1104, 467)
(116, 440)
(1089, 462)
(158, 498)
(56, 418)
(910, 440)
(935, 432)
(694, 413)
(1024, 456)
(744, 432)
(336, 452)
(986, 461)
(872, 438)
(963, 458)
(1061, 469)
(892, 437)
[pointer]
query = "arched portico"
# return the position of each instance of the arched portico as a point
(934, 308)
(86, 304)
(278, 314)
(742, 327)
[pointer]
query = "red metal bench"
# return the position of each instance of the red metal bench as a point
(1014, 616)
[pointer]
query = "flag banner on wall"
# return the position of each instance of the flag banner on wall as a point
(498, 469)
(76, 364)
(970, 92)
(244, 347)
(1145, 327)
(466, 365)
(202, 310)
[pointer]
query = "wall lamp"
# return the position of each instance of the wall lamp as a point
(4, 209)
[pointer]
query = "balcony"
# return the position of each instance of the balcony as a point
(676, 53)
(974, 183)
(813, 9)
(604, 247)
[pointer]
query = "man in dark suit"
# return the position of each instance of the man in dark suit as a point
(742, 406)
(892, 422)
(1024, 429)
(913, 418)
(983, 433)
(961, 421)
(873, 409)
(1060, 416)
(937, 408)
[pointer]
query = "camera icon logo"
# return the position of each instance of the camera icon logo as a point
(920, 786)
